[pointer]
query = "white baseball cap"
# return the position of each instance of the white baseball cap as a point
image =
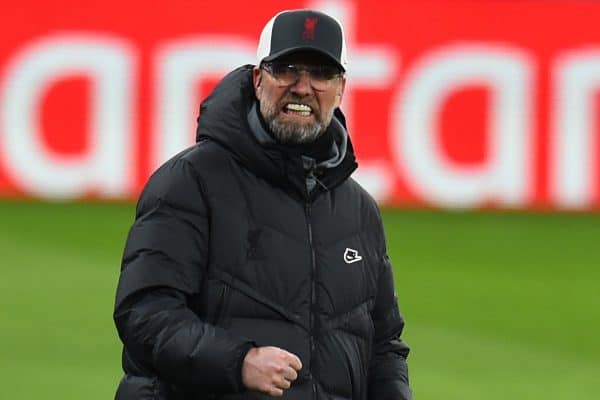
(293, 30)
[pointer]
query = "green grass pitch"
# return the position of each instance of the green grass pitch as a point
(498, 305)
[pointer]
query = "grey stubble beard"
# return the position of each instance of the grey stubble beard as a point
(292, 133)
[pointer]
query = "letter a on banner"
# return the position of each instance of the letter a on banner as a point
(38, 171)
(505, 176)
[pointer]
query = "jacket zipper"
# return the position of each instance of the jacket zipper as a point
(313, 295)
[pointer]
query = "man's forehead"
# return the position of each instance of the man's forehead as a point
(306, 57)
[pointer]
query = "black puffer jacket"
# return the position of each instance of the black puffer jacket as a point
(229, 251)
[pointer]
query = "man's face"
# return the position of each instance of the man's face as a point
(298, 112)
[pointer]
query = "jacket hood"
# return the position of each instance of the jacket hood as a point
(224, 118)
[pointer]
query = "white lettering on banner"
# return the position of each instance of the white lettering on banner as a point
(506, 174)
(370, 67)
(108, 64)
(576, 79)
(503, 178)
(179, 66)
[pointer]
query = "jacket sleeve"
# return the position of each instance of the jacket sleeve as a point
(388, 371)
(163, 266)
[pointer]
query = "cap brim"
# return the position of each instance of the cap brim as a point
(291, 50)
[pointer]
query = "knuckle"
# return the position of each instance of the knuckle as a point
(265, 388)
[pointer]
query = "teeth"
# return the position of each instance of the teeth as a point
(299, 107)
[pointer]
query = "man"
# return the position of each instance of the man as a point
(256, 266)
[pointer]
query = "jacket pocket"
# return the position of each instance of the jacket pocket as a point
(222, 309)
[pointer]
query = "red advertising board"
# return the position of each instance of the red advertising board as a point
(449, 103)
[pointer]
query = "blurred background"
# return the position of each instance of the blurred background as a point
(477, 129)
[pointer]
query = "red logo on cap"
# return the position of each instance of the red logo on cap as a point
(309, 28)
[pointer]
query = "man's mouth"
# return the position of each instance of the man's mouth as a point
(302, 110)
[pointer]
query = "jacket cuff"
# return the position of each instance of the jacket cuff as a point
(239, 384)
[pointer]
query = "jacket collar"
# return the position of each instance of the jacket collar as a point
(227, 117)
(337, 152)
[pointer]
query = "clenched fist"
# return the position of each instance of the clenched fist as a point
(270, 370)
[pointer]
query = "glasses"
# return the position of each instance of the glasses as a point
(321, 76)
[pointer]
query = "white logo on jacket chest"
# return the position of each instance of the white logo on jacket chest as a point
(351, 256)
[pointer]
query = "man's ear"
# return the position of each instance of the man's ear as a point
(257, 81)
(340, 91)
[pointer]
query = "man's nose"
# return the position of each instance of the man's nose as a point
(303, 85)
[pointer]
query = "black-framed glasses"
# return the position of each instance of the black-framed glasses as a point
(321, 77)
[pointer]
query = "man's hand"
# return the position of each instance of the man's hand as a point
(270, 370)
